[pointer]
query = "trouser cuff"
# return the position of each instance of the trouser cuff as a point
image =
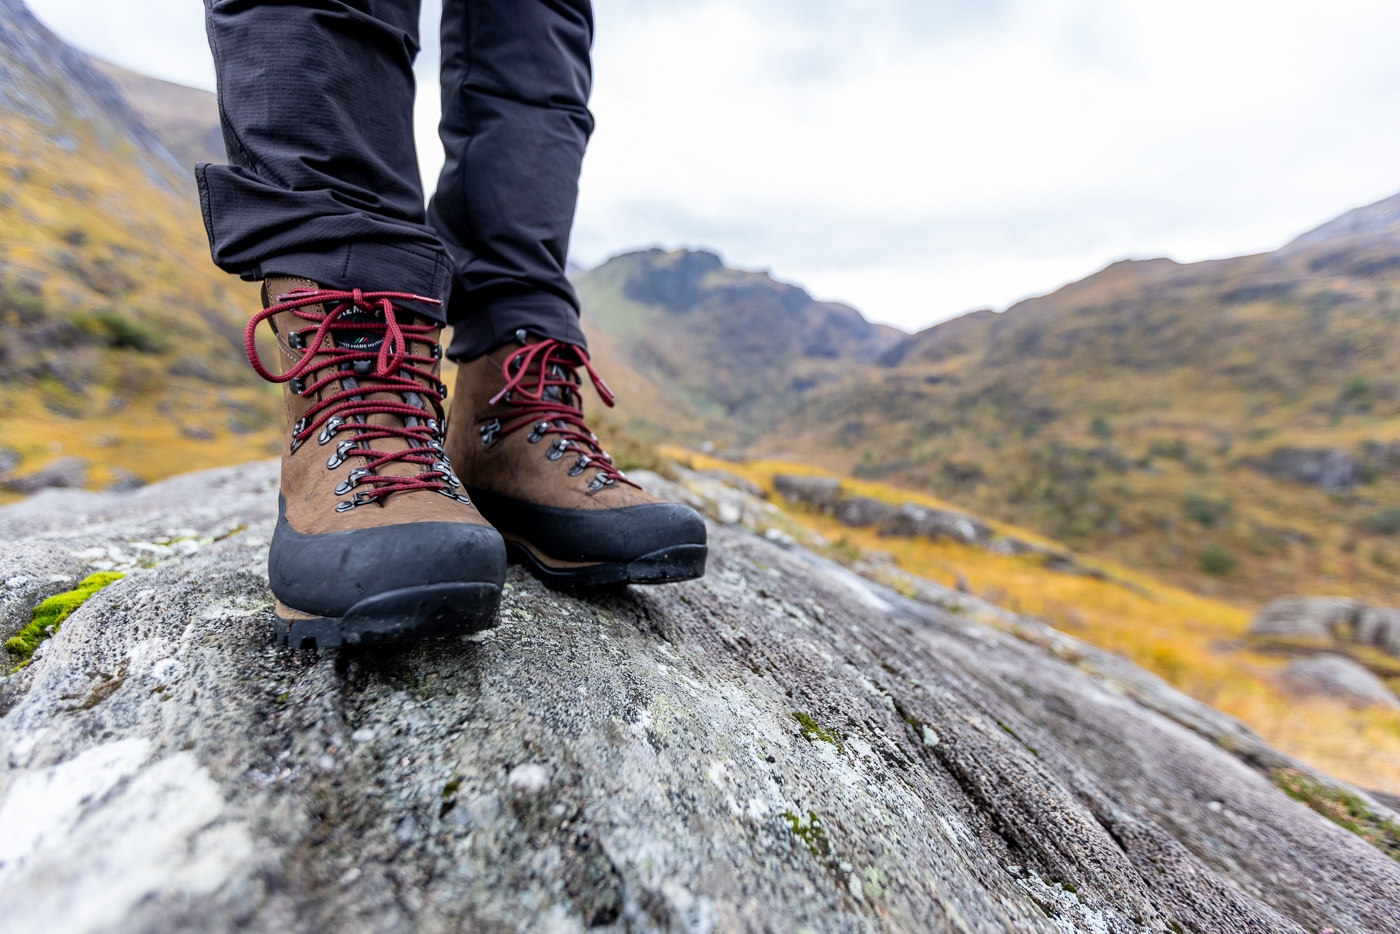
(374, 267)
(488, 327)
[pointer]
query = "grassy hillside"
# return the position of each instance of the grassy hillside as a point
(119, 341)
(1193, 642)
(1150, 413)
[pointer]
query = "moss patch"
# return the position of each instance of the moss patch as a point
(813, 731)
(809, 830)
(49, 615)
(1343, 809)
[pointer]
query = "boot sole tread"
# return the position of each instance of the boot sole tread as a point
(431, 611)
(668, 565)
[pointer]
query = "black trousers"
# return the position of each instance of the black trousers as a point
(316, 99)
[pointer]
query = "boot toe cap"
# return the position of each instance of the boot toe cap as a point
(621, 534)
(327, 574)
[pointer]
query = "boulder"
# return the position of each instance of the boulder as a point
(861, 511)
(820, 493)
(64, 473)
(1331, 469)
(123, 481)
(1337, 677)
(911, 520)
(1378, 626)
(735, 481)
(779, 746)
(1305, 621)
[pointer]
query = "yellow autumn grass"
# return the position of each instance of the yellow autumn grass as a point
(1191, 641)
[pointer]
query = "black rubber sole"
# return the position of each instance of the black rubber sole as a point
(431, 611)
(665, 566)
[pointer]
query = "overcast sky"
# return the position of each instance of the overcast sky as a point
(919, 158)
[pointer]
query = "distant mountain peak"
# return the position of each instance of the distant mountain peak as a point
(1373, 222)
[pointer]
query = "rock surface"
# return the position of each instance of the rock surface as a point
(1326, 622)
(1335, 676)
(781, 746)
(66, 472)
(1330, 469)
(1317, 621)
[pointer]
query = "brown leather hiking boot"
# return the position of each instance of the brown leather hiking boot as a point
(374, 540)
(517, 437)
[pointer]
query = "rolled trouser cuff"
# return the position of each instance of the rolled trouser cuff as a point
(539, 313)
(373, 267)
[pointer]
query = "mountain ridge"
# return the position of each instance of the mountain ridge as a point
(1133, 409)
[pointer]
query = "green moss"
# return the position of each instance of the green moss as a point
(49, 615)
(813, 731)
(1342, 808)
(842, 551)
(809, 830)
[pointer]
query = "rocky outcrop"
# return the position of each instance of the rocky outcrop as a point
(911, 521)
(1338, 677)
(1330, 469)
(860, 511)
(1327, 622)
(780, 746)
(65, 472)
(815, 492)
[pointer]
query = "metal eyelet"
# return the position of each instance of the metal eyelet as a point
(488, 432)
(342, 451)
(537, 432)
(359, 499)
(557, 449)
(580, 465)
(444, 468)
(457, 496)
(436, 352)
(599, 482)
(296, 340)
(352, 481)
(297, 439)
(297, 385)
(329, 429)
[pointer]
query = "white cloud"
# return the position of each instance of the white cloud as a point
(921, 157)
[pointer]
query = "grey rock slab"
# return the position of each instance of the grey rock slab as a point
(820, 493)
(631, 761)
(66, 472)
(1378, 626)
(863, 510)
(911, 520)
(1321, 620)
(1335, 676)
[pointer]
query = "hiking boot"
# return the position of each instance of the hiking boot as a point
(375, 540)
(517, 438)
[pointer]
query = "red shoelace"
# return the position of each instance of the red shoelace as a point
(356, 318)
(542, 389)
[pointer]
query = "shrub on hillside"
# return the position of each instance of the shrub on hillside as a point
(1217, 561)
